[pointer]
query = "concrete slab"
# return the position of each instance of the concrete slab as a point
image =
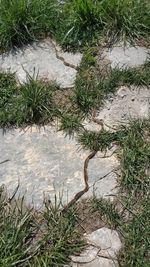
(45, 162)
(128, 103)
(126, 56)
(41, 58)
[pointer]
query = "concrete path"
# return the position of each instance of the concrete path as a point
(45, 163)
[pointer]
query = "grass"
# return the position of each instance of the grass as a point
(38, 102)
(130, 212)
(88, 19)
(96, 140)
(74, 23)
(29, 103)
(92, 86)
(24, 21)
(70, 123)
(31, 238)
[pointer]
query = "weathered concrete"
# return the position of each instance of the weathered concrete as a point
(128, 103)
(126, 56)
(44, 161)
(40, 58)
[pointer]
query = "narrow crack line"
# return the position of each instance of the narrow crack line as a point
(104, 176)
(109, 156)
(5, 161)
(86, 178)
(61, 58)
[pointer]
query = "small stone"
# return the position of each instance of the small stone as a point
(91, 126)
(107, 240)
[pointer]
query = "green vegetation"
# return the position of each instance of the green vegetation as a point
(34, 101)
(74, 23)
(87, 20)
(37, 239)
(130, 212)
(28, 238)
(24, 21)
(96, 140)
(29, 103)
(93, 86)
(70, 123)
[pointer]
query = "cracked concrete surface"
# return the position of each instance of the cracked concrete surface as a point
(41, 58)
(45, 162)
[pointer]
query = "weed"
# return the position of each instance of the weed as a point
(31, 238)
(34, 102)
(96, 140)
(74, 23)
(7, 88)
(17, 229)
(29, 103)
(133, 218)
(108, 211)
(92, 87)
(135, 160)
(24, 21)
(88, 19)
(123, 19)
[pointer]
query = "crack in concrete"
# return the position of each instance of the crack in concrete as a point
(61, 58)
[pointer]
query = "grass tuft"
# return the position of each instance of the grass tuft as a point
(32, 238)
(28, 103)
(24, 21)
(70, 123)
(96, 140)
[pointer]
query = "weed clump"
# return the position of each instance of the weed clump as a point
(29, 103)
(26, 20)
(32, 238)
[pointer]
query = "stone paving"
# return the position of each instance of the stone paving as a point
(45, 162)
(42, 59)
(126, 56)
